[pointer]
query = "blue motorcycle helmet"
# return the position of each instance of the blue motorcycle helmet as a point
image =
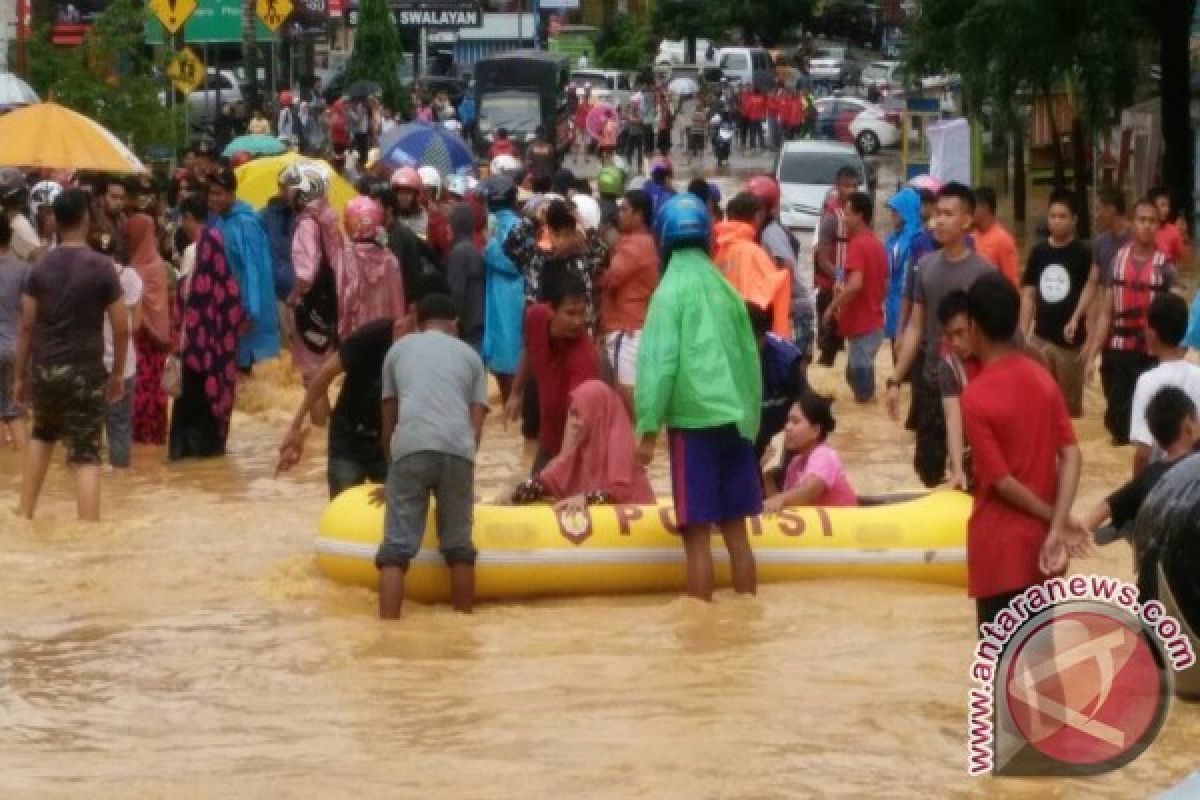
(683, 220)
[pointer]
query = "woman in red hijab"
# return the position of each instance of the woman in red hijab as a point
(153, 338)
(598, 461)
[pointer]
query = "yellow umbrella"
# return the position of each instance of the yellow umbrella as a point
(258, 180)
(47, 135)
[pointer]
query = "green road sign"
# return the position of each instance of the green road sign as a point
(213, 21)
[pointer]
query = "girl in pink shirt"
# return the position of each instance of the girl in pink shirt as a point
(815, 476)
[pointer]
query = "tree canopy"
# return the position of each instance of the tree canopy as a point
(377, 54)
(109, 78)
(1092, 48)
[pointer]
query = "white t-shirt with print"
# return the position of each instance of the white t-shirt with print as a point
(131, 291)
(1180, 374)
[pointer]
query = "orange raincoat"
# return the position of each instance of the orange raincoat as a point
(754, 273)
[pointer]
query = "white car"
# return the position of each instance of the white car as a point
(806, 170)
(202, 103)
(609, 86)
(829, 65)
(881, 75)
(874, 128)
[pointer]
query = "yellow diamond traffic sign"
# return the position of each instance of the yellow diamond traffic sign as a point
(172, 13)
(274, 12)
(186, 71)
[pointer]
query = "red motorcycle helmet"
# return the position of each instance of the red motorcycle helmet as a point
(239, 158)
(766, 189)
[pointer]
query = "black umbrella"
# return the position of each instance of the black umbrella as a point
(364, 89)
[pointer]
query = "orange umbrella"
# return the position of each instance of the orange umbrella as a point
(47, 135)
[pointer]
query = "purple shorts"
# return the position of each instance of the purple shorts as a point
(714, 475)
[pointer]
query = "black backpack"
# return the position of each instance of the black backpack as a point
(317, 312)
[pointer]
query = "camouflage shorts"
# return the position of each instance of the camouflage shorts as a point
(69, 404)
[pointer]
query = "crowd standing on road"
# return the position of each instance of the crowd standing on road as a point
(608, 313)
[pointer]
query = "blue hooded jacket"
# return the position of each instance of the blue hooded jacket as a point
(907, 204)
(249, 255)
(504, 299)
(279, 221)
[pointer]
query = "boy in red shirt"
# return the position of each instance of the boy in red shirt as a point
(1026, 460)
(559, 355)
(1167, 240)
(858, 307)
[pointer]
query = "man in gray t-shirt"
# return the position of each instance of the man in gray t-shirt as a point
(955, 266)
(938, 276)
(434, 403)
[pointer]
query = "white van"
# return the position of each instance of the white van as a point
(672, 52)
(747, 65)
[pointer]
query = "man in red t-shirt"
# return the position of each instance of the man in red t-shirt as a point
(858, 306)
(1167, 240)
(1026, 460)
(558, 355)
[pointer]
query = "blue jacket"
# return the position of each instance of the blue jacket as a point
(279, 221)
(249, 255)
(466, 109)
(907, 204)
(504, 300)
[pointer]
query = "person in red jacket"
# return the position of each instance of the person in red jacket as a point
(756, 113)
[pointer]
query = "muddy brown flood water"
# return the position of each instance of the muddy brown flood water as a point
(187, 647)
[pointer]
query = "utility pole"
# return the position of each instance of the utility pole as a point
(250, 51)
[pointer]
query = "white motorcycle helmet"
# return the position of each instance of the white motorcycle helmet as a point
(43, 193)
(505, 164)
(587, 210)
(432, 180)
(307, 179)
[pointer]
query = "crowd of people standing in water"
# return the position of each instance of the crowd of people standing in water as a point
(608, 314)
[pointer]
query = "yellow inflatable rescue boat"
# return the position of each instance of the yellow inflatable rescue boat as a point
(529, 551)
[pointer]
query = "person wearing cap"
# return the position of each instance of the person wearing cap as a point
(698, 375)
(14, 197)
(249, 254)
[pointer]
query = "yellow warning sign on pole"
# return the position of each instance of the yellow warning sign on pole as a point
(274, 13)
(186, 71)
(172, 13)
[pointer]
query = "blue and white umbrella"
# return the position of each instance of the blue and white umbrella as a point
(15, 92)
(418, 144)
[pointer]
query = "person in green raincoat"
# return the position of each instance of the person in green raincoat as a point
(698, 374)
